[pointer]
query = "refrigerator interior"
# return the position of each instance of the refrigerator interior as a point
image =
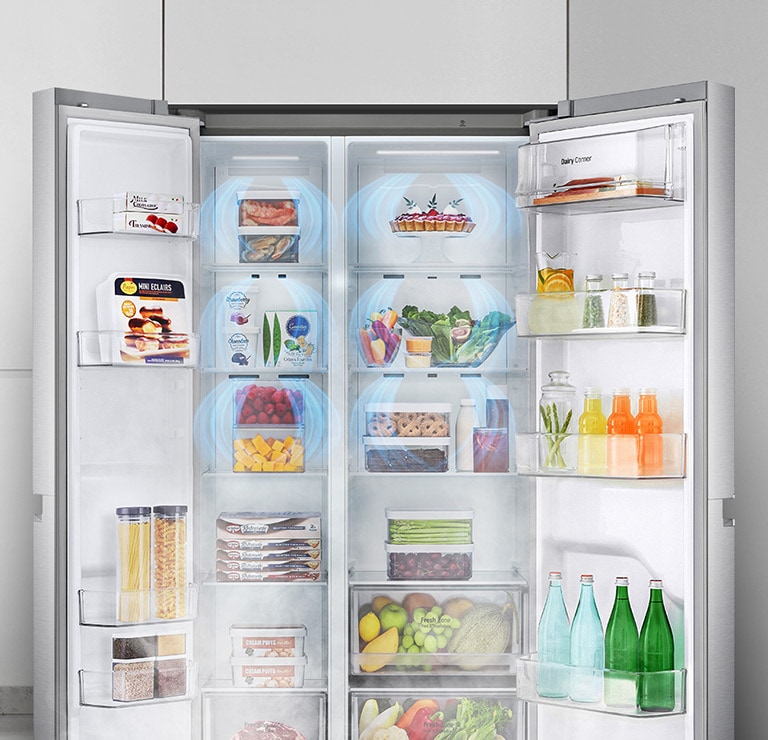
(301, 253)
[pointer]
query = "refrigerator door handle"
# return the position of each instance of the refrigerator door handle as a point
(729, 512)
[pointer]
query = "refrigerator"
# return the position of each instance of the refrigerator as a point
(295, 465)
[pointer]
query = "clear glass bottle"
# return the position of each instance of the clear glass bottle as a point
(557, 411)
(646, 299)
(618, 306)
(621, 646)
(587, 648)
(657, 656)
(592, 431)
(594, 316)
(134, 566)
(554, 642)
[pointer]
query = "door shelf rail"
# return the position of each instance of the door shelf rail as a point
(111, 348)
(528, 668)
(101, 608)
(144, 684)
(561, 455)
(563, 314)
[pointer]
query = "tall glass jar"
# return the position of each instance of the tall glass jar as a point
(618, 307)
(170, 525)
(134, 563)
(557, 421)
(594, 316)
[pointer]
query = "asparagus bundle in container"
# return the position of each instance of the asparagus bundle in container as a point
(429, 544)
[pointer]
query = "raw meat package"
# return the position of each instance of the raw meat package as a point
(144, 319)
(268, 208)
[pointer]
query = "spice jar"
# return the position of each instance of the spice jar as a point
(134, 562)
(618, 307)
(594, 317)
(170, 525)
(646, 299)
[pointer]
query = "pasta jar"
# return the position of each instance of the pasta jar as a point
(134, 563)
(170, 525)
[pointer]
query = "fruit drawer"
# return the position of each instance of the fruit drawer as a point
(399, 630)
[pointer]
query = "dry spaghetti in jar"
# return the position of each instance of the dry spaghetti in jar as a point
(134, 567)
(170, 530)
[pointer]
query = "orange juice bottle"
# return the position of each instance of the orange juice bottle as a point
(649, 429)
(592, 428)
(622, 436)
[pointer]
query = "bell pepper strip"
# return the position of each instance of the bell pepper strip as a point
(405, 721)
(389, 318)
(426, 725)
(365, 346)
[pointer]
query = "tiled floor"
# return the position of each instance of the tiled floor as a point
(15, 727)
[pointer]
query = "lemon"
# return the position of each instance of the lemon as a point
(369, 627)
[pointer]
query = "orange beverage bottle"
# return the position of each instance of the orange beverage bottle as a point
(621, 454)
(649, 429)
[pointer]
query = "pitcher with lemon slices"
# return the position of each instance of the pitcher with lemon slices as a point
(555, 309)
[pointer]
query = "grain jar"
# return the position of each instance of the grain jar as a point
(170, 528)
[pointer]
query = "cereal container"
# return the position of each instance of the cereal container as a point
(134, 561)
(170, 525)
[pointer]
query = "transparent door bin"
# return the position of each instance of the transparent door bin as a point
(119, 348)
(564, 313)
(100, 608)
(415, 632)
(439, 710)
(174, 218)
(143, 681)
(543, 454)
(625, 684)
(646, 168)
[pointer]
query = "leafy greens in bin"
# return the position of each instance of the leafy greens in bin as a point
(457, 338)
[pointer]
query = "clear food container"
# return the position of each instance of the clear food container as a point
(262, 403)
(408, 420)
(275, 208)
(430, 526)
(429, 562)
(170, 545)
(406, 455)
(267, 641)
(270, 673)
(134, 563)
(264, 453)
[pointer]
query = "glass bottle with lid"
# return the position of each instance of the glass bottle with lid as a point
(618, 307)
(594, 316)
(557, 410)
(646, 299)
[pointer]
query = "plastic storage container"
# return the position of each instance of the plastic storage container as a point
(134, 563)
(443, 526)
(262, 641)
(269, 673)
(268, 226)
(429, 562)
(170, 546)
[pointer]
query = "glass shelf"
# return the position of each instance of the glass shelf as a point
(480, 579)
(547, 314)
(144, 682)
(527, 682)
(98, 608)
(109, 216)
(109, 348)
(544, 454)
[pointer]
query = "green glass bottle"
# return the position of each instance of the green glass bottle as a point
(656, 690)
(621, 648)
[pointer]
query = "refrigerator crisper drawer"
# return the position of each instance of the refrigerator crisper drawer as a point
(454, 629)
(633, 169)
(431, 712)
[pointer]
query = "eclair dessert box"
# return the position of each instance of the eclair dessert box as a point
(144, 318)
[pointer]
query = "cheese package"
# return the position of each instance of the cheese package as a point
(144, 319)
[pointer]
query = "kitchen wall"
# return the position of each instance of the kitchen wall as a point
(80, 44)
(617, 46)
(92, 45)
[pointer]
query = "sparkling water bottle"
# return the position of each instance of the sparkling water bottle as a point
(587, 647)
(621, 643)
(657, 657)
(554, 642)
